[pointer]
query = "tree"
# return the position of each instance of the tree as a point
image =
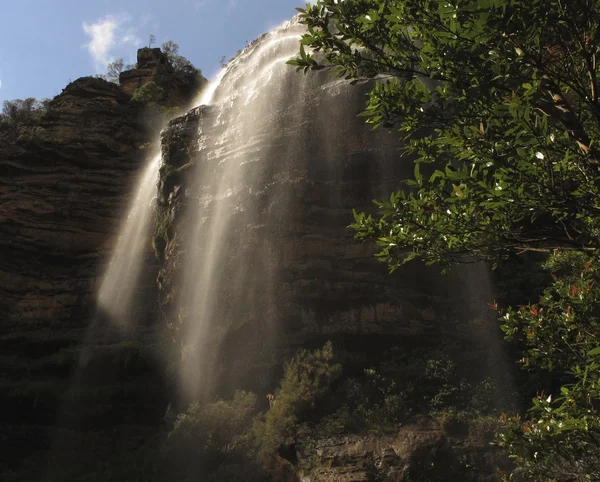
(18, 114)
(307, 378)
(26, 111)
(205, 436)
(170, 48)
(114, 69)
(179, 62)
(497, 102)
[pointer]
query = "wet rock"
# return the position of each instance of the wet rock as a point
(281, 180)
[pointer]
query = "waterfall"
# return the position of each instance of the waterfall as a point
(229, 276)
(278, 161)
(249, 201)
(116, 296)
(256, 188)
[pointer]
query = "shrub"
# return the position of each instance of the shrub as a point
(205, 436)
(179, 62)
(149, 92)
(307, 379)
(21, 116)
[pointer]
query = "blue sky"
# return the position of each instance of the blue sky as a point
(48, 43)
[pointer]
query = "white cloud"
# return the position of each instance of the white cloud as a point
(129, 39)
(107, 35)
(102, 33)
(198, 5)
(201, 3)
(0, 83)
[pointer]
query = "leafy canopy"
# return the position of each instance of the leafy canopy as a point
(179, 62)
(21, 117)
(150, 92)
(560, 335)
(23, 112)
(205, 436)
(497, 102)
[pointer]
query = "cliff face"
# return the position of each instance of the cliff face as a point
(287, 274)
(64, 189)
(65, 185)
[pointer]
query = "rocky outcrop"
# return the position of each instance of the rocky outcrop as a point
(153, 66)
(417, 452)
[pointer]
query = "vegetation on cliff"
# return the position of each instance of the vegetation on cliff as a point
(20, 114)
(497, 102)
(232, 440)
(324, 395)
(170, 49)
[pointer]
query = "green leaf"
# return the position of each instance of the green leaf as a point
(594, 352)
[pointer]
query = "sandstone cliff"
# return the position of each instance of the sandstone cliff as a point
(64, 187)
(289, 275)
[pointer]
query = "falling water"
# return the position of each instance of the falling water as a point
(205, 96)
(229, 277)
(273, 151)
(116, 296)
(120, 281)
(261, 251)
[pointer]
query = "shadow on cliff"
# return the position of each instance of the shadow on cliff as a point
(113, 408)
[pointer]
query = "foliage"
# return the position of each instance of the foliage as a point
(449, 389)
(368, 403)
(149, 92)
(497, 104)
(503, 108)
(206, 436)
(307, 379)
(19, 114)
(380, 403)
(179, 62)
(225, 440)
(114, 69)
(561, 334)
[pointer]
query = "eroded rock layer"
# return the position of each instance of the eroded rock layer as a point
(65, 185)
(64, 190)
